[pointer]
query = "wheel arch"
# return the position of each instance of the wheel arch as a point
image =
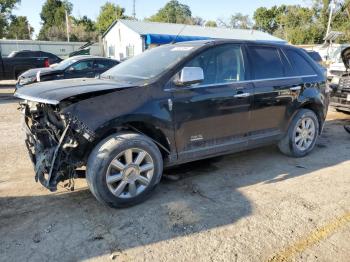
(150, 130)
(317, 109)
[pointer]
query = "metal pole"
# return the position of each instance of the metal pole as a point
(330, 17)
(67, 25)
(134, 9)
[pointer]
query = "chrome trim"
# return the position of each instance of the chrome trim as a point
(242, 95)
(238, 82)
(295, 88)
(36, 99)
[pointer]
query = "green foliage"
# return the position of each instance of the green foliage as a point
(53, 17)
(211, 23)
(6, 7)
(83, 30)
(173, 12)
(19, 28)
(302, 25)
(109, 12)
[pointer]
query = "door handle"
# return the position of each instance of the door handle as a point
(241, 95)
(295, 88)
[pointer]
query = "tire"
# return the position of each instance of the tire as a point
(126, 173)
(290, 144)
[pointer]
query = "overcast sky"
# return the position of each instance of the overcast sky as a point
(207, 9)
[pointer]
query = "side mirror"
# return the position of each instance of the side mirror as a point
(71, 69)
(189, 76)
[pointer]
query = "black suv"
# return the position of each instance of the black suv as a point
(172, 104)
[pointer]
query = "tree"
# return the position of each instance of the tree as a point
(83, 29)
(19, 28)
(197, 20)
(211, 23)
(6, 7)
(173, 12)
(53, 17)
(109, 13)
(267, 20)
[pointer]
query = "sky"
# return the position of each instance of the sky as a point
(207, 9)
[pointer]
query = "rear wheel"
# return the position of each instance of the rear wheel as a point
(123, 169)
(302, 134)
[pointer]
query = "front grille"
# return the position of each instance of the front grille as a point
(344, 84)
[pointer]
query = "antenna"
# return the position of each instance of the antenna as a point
(134, 9)
(174, 41)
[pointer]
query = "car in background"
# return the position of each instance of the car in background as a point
(169, 105)
(53, 59)
(340, 85)
(74, 67)
(13, 66)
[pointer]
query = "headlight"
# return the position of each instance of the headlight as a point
(26, 81)
(335, 80)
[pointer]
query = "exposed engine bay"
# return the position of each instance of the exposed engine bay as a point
(52, 141)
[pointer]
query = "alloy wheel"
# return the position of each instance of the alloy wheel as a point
(129, 173)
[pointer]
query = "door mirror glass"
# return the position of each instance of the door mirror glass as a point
(71, 69)
(189, 76)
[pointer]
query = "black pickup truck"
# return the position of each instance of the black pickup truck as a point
(12, 67)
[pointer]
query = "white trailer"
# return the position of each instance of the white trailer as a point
(61, 49)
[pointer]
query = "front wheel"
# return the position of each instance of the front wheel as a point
(123, 169)
(302, 134)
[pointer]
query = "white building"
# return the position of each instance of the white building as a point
(126, 38)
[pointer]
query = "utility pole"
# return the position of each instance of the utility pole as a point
(67, 25)
(332, 6)
(134, 9)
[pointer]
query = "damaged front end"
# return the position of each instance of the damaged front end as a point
(53, 140)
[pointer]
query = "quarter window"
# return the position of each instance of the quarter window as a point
(301, 66)
(266, 62)
(81, 66)
(223, 64)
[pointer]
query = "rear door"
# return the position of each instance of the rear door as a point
(102, 65)
(80, 69)
(275, 89)
(213, 117)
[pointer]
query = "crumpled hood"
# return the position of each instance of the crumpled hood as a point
(34, 71)
(345, 55)
(53, 92)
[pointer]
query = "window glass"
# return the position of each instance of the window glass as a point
(221, 64)
(266, 62)
(301, 66)
(83, 65)
(24, 54)
(102, 64)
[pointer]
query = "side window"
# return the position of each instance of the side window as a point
(24, 54)
(299, 63)
(102, 64)
(266, 62)
(221, 64)
(81, 66)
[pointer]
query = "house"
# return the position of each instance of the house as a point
(126, 38)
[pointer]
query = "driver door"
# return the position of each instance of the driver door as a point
(214, 116)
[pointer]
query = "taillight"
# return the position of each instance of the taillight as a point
(46, 62)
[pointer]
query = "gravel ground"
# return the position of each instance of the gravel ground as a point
(252, 206)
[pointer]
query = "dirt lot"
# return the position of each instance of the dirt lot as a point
(252, 206)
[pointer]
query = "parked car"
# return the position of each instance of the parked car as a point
(11, 67)
(53, 59)
(340, 95)
(74, 67)
(170, 105)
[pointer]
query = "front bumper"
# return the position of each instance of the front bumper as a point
(340, 103)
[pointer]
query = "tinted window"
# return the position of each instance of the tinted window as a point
(266, 62)
(220, 64)
(23, 54)
(83, 65)
(301, 66)
(103, 64)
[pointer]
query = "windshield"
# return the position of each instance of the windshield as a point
(65, 63)
(149, 64)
